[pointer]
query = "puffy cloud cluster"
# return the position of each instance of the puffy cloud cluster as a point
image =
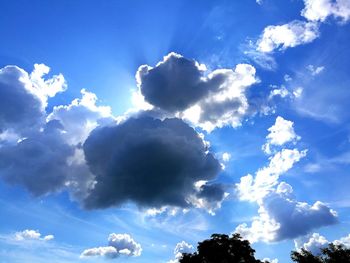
(280, 215)
(298, 32)
(292, 34)
(184, 87)
(320, 10)
(29, 234)
(280, 133)
(148, 161)
(81, 116)
(266, 179)
(42, 151)
(118, 245)
(180, 248)
(38, 162)
(315, 242)
(103, 161)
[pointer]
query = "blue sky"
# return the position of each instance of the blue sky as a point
(127, 127)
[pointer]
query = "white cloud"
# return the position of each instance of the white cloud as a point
(282, 217)
(320, 10)
(226, 157)
(228, 105)
(280, 133)
(108, 251)
(118, 244)
(30, 234)
(255, 188)
(182, 247)
(315, 70)
(81, 116)
(345, 241)
(45, 88)
(288, 35)
(315, 242)
(282, 92)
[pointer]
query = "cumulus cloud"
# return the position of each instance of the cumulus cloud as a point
(180, 248)
(320, 10)
(20, 108)
(38, 162)
(255, 188)
(292, 34)
(81, 116)
(118, 245)
(315, 242)
(186, 88)
(176, 83)
(282, 217)
(29, 234)
(208, 196)
(148, 161)
(281, 133)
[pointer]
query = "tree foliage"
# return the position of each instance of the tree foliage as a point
(222, 249)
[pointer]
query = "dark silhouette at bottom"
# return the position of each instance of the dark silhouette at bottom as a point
(225, 249)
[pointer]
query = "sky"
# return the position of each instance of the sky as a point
(132, 130)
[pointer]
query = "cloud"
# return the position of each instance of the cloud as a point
(315, 242)
(81, 116)
(226, 157)
(118, 245)
(148, 161)
(187, 89)
(281, 133)
(282, 217)
(176, 83)
(180, 248)
(20, 108)
(29, 234)
(315, 70)
(38, 162)
(208, 196)
(292, 34)
(320, 10)
(255, 188)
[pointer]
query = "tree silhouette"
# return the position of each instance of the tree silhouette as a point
(331, 254)
(222, 249)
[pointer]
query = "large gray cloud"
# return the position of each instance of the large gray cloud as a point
(20, 109)
(39, 162)
(176, 83)
(148, 161)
